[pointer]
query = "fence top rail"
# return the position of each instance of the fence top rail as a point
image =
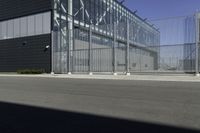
(173, 17)
(171, 45)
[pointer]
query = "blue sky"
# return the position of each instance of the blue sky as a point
(154, 9)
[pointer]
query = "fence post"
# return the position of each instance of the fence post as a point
(52, 52)
(70, 28)
(197, 44)
(114, 48)
(90, 50)
(127, 49)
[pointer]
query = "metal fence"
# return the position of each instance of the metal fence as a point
(179, 43)
(93, 52)
(174, 58)
(167, 58)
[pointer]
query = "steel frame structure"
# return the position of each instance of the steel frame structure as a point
(107, 19)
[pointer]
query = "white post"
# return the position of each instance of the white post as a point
(90, 50)
(52, 53)
(197, 44)
(127, 50)
(70, 29)
(114, 48)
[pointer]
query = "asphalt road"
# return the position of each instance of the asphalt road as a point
(173, 104)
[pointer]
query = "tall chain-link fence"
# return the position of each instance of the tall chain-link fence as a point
(171, 58)
(126, 45)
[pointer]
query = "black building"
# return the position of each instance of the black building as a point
(25, 31)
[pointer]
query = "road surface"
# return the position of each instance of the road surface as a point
(174, 104)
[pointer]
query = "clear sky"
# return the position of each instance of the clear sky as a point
(155, 9)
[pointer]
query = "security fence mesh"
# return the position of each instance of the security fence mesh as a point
(121, 42)
(166, 58)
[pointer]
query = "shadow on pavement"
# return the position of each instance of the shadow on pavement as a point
(26, 119)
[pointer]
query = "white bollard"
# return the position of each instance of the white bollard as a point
(197, 75)
(128, 74)
(115, 74)
(90, 73)
(69, 73)
(52, 73)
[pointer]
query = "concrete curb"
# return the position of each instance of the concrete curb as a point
(176, 78)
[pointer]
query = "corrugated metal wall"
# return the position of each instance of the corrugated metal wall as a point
(25, 53)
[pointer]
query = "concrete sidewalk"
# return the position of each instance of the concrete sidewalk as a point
(164, 77)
